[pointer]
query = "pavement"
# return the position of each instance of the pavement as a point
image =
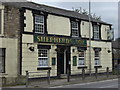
(99, 84)
(75, 82)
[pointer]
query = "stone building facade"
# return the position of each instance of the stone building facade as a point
(37, 37)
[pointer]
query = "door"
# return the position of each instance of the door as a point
(63, 58)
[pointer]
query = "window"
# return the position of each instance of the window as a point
(42, 57)
(81, 58)
(74, 27)
(96, 31)
(97, 57)
(2, 60)
(39, 24)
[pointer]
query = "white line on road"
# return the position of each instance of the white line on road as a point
(109, 86)
(84, 83)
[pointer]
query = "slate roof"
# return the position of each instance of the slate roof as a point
(53, 10)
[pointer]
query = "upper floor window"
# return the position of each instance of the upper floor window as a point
(96, 31)
(39, 24)
(74, 27)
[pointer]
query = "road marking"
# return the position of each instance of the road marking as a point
(84, 83)
(109, 86)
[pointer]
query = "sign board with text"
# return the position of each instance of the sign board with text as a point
(59, 40)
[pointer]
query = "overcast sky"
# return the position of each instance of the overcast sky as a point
(107, 10)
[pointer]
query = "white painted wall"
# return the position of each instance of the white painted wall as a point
(105, 57)
(85, 29)
(2, 19)
(104, 30)
(58, 25)
(11, 60)
(28, 21)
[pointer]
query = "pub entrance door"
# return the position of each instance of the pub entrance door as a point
(63, 59)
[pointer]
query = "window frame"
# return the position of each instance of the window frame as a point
(82, 58)
(77, 29)
(43, 58)
(97, 57)
(96, 31)
(3, 56)
(40, 24)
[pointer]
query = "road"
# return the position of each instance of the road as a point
(99, 84)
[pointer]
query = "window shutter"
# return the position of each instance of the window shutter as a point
(54, 61)
(74, 60)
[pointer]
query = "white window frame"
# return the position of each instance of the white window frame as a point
(82, 58)
(43, 58)
(96, 30)
(97, 57)
(37, 28)
(75, 29)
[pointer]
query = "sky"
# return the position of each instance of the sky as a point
(107, 10)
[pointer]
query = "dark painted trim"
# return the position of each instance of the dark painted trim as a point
(63, 15)
(22, 11)
(35, 12)
(93, 23)
(31, 33)
(79, 29)
(4, 60)
(68, 59)
(98, 66)
(80, 67)
(44, 68)
(4, 57)
(100, 36)
(44, 46)
(97, 49)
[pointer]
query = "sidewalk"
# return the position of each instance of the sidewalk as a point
(59, 82)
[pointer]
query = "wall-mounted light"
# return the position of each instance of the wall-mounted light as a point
(57, 49)
(108, 51)
(31, 48)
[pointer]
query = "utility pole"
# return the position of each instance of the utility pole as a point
(89, 37)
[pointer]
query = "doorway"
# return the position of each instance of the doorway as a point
(63, 59)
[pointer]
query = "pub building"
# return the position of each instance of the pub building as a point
(38, 37)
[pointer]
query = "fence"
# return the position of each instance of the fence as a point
(96, 75)
(40, 77)
(83, 76)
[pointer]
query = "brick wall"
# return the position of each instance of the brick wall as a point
(12, 27)
(11, 22)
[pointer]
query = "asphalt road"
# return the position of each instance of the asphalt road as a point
(99, 84)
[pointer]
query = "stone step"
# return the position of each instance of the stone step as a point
(64, 76)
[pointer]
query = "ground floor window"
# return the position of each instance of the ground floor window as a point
(97, 58)
(81, 58)
(2, 60)
(42, 57)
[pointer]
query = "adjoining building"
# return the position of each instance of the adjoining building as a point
(116, 54)
(38, 37)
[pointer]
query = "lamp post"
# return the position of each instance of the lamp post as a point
(89, 37)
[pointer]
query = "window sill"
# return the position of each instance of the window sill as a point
(83, 66)
(97, 66)
(1, 35)
(3, 74)
(44, 68)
